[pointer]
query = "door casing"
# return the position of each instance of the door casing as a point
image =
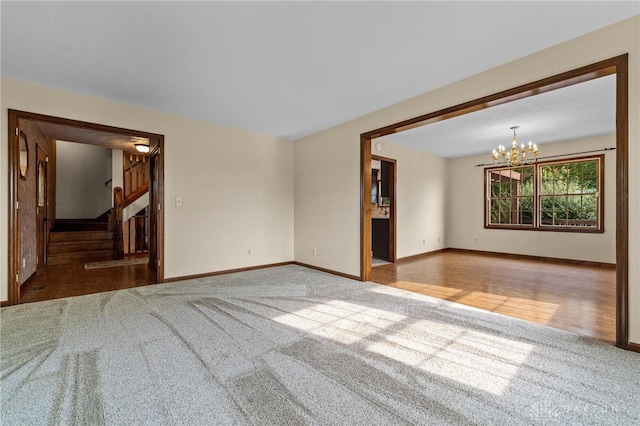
(156, 142)
(392, 201)
(42, 202)
(619, 66)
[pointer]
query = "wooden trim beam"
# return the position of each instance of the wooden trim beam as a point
(566, 79)
(24, 115)
(13, 268)
(621, 64)
(365, 207)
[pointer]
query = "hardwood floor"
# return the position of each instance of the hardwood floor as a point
(58, 281)
(576, 298)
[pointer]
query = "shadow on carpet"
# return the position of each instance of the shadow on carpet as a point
(294, 346)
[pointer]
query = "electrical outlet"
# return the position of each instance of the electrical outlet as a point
(475, 240)
(314, 250)
(424, 241)
(249, 251)
(178, 201)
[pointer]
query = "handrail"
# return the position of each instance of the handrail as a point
(129, 199)
(116, 223)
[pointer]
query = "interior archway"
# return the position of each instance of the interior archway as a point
(91, 133)
(617, 66)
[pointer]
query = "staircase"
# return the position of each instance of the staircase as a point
(73, 241)
(95, 240)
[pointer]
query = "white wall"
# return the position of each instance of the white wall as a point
(81, 173)
(237, 186)
(421, 198)
(327, 177)
(117, 176)
(465, 207)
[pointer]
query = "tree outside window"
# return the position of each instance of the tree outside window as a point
(562, 195)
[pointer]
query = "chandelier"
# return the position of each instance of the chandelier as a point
(515, 156)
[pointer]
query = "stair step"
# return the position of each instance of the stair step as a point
(89, 256)
(70, 236)
(80, 225)
(80, 246)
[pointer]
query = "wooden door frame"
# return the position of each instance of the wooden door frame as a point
(619, 66)
(156, 209)
(40, 226)
(392, 201)
(156, 141)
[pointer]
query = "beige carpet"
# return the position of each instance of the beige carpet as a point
(112, 263)
(293, 346)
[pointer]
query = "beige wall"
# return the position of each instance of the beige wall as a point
(327, 202)
(421, 198)
(237, 186)
(465, 212)
(327, 178)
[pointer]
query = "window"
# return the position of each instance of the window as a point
(512, 192)
(561, 195)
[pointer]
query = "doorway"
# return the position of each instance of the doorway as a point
(383, 210)
(617, 66)
(56, 128)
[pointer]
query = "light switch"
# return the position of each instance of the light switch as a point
(178, 201)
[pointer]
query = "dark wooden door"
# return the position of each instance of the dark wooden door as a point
(380, 238)
(41, 207)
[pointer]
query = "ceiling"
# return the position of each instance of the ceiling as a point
(101, 138)
(580, 111)
(290, 69)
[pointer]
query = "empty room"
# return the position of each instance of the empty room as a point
(320, 213)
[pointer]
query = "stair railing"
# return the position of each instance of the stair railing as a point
(136, 173)
(136, 233)
(116, 223)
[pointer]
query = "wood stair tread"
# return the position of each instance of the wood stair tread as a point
(87, 256)
(80, 225)
(68, 236)
(80, 246)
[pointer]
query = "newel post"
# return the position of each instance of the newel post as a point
(116, 223)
